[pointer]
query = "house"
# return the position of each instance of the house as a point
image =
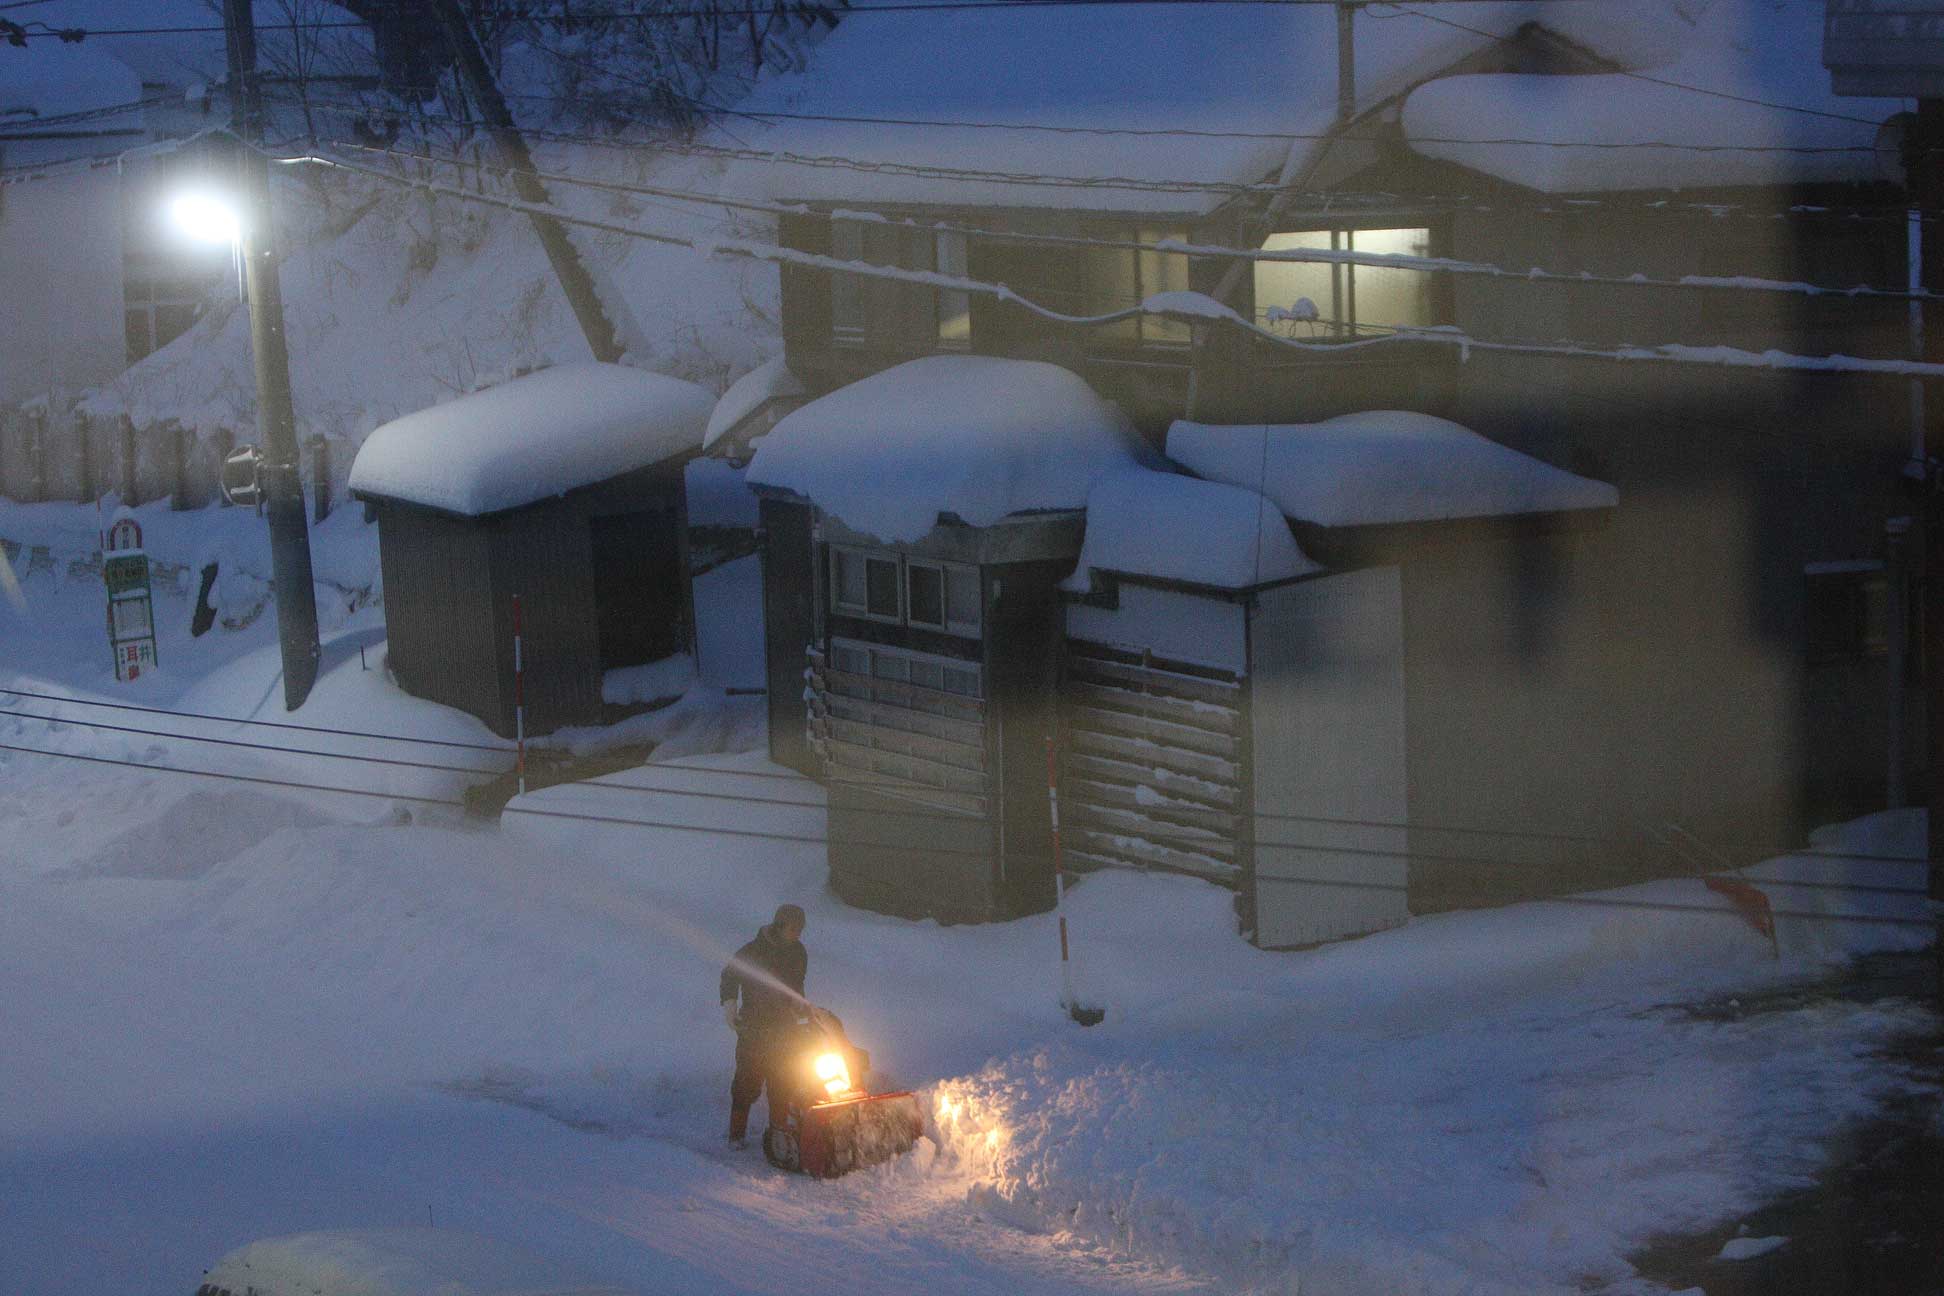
(1591, 692)
(918, 523)
(563, 489)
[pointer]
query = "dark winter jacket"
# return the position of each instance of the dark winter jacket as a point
(764, 1007)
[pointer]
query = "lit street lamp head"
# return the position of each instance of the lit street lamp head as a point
(204, 218)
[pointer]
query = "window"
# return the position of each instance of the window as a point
(1117, 278)
(1847, 611)
(925, 586)
(864, 584)
(885, 312)
(935, 595)
(1322, 299)
(158, 311)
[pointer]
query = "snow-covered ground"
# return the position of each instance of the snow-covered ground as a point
(234, 1009)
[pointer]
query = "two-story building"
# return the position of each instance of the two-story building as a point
(1698, 655)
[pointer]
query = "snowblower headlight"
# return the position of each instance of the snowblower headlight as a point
(833, 1073)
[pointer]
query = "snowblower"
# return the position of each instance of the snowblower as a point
(825, 1123)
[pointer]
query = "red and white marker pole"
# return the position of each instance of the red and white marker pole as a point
(519, 699)
(1059, 880)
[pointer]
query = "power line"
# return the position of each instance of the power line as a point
(1342, 201)
(252, 746)
(1183, 837)
(267, 724)
(594, 18)
(1191, 307)
(1290, 256)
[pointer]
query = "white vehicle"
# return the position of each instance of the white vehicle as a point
(392, 1262)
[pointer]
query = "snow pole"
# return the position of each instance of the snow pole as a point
(519, 701)
(1086, 1016)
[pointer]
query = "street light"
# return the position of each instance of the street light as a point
(268, 479)
(205, 218)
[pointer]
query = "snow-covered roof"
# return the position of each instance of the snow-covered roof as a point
(974, 436)
(771, 380)
(1235, 84)
(55, 78)
(1381, 467)
(1748, 75)
(536, 436)
(1145, 522)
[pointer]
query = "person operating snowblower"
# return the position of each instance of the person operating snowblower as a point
(767, 976)
(823, 1120)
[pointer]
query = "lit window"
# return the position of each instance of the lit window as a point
(1315, 299)
(954, 307)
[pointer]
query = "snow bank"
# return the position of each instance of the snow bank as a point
(973, 436)
(397, 1262)
(667, 678)
(539, 435)
(396, 303)
(1381, 466)
(1307, 1151)
(771, 380)
(1150, 523)
(1754, 50)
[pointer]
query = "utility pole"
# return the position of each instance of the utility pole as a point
(1894, 49)
(1924, 162)
(574, 278)
(283, 492)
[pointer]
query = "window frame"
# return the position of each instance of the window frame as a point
(1340, 322)
(1146, 269)
(950, 623)
(842, 553)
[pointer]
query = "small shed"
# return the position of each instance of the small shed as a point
(562, 487)
(1238, 677)
(917, 524)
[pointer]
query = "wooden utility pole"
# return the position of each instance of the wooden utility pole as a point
(283, 492)
(568, 267)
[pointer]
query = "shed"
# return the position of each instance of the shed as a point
(1235, 708)
(917, 524)
(564, 488)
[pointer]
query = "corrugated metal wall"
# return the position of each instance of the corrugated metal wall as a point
(438, 610)
(544, 555)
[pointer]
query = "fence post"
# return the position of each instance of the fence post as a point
(131, 482)
(179, 451)
(84, 456)
(37, 455)
(321, 477)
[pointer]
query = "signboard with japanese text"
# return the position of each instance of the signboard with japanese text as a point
(131, 599)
